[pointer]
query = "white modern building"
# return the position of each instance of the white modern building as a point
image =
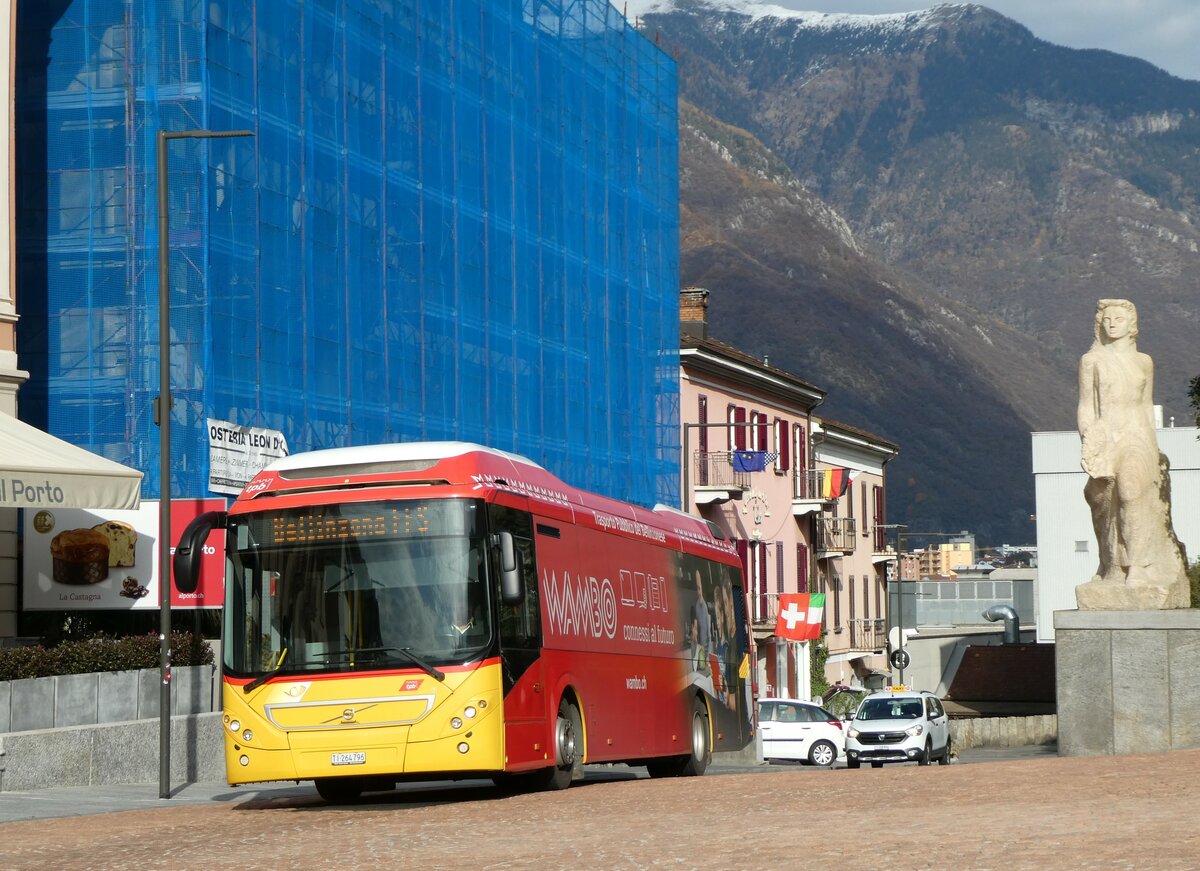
(1067, 550)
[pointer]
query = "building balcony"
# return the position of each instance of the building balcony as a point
(715, 478)
(764, 611)
(879, 541)
(834, 536)
(868, 634)
(806, 492)
(813, 491)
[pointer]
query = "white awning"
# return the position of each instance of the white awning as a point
(38, 470)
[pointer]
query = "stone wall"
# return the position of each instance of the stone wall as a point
(112, 753)
(104, 697)
(1004, 731)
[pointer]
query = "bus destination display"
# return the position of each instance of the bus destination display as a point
(325, 525)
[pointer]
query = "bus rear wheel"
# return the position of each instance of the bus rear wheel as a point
(690, 764)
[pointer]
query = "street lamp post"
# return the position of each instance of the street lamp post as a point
(901, 538)
(162, 415)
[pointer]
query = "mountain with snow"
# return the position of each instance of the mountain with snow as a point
(987, 179)
(900, 24)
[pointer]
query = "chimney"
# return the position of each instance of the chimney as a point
(693, 312)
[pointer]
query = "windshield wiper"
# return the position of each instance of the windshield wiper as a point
(405, 652)
(263, 678)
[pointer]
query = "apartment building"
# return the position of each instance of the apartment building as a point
(944, 559)
(805, 512)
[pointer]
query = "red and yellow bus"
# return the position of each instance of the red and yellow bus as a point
(444, 610)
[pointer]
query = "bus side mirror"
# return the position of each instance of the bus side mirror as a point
(512, 588)
(186, 562)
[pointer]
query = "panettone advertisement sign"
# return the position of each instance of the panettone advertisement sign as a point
(76, 559)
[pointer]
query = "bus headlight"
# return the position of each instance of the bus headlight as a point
(234, 725)
(469, 712)
(463, 747)
(455, 723)
(247, 735)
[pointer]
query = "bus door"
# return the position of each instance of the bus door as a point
(520, 633)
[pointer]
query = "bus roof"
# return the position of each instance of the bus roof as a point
(471, 469)
(396, 454)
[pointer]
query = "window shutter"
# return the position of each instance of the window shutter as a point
(862, 489)
(837, 601)
(880, 534)
(800, 461)
(779, 567)
(738, 442)
(763, 602)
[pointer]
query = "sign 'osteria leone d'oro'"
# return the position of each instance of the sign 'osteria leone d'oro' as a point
(237, 453)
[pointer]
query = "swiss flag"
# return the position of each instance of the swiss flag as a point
(799, 616)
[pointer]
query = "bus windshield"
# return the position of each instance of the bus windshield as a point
(357, 586)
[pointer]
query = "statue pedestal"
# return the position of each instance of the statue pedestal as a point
(1127, 681)
(1102, 596)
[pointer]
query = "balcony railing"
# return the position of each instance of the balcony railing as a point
(835, 534)
(816, 484)
(764, 608)
(867, 634)
(715, 469)
(807, 484)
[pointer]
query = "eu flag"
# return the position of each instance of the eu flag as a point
(750, 461)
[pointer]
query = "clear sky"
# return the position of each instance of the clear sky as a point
(1164, 32)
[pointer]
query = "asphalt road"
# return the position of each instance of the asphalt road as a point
(82, 801)
(1032, 812)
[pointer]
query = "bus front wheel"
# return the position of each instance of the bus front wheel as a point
(690, 764)
(568, 756)
(339, 790)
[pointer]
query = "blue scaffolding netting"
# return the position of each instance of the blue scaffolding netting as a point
(454, 220)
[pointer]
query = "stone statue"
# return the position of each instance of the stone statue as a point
(1141, 562)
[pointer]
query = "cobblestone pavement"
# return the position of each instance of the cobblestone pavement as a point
(1125, 812)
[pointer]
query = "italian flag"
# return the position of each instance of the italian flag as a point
(800, 616)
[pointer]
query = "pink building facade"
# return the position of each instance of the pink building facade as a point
(805, 509)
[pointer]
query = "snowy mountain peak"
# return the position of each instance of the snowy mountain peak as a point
(755, 11)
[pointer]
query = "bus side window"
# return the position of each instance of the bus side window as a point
(520, 625)
(739, 614)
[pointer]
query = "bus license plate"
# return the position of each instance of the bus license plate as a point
(359, 758)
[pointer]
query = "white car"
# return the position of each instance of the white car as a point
(800, 731)
(898, 725)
